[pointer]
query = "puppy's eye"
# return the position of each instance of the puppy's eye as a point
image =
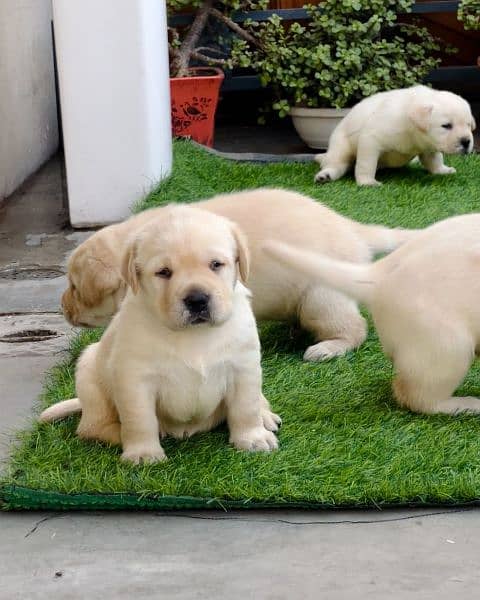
(216, 265)
(447, 126)
(164, 273)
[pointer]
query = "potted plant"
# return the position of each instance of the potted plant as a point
(346, 51)
(195, 88)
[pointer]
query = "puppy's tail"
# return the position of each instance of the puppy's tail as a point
(354, 280)
(384, 239)
(60, 410)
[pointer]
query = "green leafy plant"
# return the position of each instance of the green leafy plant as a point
(347, 50)
(185, 41)
(469, 13)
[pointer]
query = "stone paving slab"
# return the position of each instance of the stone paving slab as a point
(32, 295)
(49, 334)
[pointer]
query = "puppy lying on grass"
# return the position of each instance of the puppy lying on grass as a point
(389, 129)
(96, 287)
(182, 354)
(424, 299)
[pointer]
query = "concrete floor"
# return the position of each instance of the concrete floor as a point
(401, 554)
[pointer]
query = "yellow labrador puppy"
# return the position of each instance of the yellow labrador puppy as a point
(96, 286)
(182, 354)
(389, 129)
(424, 299)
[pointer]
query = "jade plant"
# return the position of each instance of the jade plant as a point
(469, 13)
(347, 50)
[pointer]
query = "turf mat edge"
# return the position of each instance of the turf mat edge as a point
(19, 498)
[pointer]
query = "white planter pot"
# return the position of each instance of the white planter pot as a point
(315, 125)
(115, 100)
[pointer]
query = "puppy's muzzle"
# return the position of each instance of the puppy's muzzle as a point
(197, 303)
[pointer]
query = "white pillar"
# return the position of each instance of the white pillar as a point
(112, 58)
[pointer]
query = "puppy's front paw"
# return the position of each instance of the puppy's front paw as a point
(271, 421)
(255, 439)
(444, 170)
(143, 454)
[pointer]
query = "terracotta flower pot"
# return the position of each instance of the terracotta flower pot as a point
(194, 103)
(315, 125)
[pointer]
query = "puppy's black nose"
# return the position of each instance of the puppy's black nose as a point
(196, 302)
(465, 142)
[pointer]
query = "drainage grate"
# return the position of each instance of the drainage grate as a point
(29, 335)
(30, 272)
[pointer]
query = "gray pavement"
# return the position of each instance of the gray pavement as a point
(401, 554)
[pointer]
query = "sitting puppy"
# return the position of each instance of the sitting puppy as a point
(96, 286)
(424, 302)
(182, 354)
(389, 129)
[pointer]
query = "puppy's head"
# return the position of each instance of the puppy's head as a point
(95, 285)
(446, 121)
(185, 264)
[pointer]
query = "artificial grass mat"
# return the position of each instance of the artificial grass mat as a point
(344, 441)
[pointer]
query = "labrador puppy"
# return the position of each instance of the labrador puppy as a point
(389, 129)
(183, 353)
(424, 301)
(96, 286)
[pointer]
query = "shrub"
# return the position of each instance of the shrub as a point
(349, 49)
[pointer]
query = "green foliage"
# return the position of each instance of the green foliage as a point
(348, 50)
(469, 14)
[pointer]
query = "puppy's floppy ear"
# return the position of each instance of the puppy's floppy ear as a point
(129, 269)
(95, 270)
(474, 125)
(98, 281)
(243, 255)
(420, 115)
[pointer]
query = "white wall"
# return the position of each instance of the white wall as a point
(115, 97)
(28, 117)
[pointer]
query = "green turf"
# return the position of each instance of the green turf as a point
(343, 442)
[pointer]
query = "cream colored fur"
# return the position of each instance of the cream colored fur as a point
(164, 366)
(390, 128)
(424, 299)
(332, 318)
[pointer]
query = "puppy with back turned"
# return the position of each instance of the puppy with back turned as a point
(424, 301)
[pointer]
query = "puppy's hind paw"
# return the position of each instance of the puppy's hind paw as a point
(369, 182)
(326, 350)
(445, 170)
(255, 439)
(323, 176)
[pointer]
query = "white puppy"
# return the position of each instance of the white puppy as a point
(424, 299)
(183, 352)
(389, 129)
